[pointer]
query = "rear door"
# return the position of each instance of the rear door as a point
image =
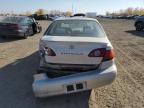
(30, 25)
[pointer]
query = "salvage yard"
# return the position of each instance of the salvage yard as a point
(19, 61)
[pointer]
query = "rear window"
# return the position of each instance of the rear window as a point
(83, 28)
(12, 19)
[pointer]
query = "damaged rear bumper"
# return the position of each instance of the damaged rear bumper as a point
(44, 86)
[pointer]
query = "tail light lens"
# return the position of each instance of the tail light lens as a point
(102, 52)
(49, 51)
(97, 52)
(109, 55)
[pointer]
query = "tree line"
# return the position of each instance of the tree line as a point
(53, 12)
(126, 12)
(39, 12)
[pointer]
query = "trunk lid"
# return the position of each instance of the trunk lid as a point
(8, 28)
(74, 50)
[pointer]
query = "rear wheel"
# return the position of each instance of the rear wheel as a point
(32, 33)
(139, 26)
(26, 35)
(39, 29)
(35, 29)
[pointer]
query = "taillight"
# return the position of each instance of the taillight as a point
(97, 52)
(102, 52)
(109, 55)
(49, 51)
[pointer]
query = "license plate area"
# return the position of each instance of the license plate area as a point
(80, 86)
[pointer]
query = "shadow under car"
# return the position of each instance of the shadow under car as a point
(136, 33)
(16, 88)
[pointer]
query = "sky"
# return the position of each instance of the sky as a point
(99, 6)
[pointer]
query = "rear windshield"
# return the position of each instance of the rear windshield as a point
(12, 19)
(83, 28)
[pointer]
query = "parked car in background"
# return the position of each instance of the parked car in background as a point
(37, 28)
(52, 18)
(75, 55)
(91, 14)
(79, 14)
(139, 23)
(20, 26)
(40, 17)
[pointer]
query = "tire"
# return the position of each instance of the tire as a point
(31, 32)
(39, 29)
(139, 26)
(35, 30)
(26, 35)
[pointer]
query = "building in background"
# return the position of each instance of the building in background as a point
(91, 14)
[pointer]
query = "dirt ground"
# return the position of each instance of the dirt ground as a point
(19, 61)
(128, 89)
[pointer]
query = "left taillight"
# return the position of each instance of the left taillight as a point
(49, 51)
(109, 55)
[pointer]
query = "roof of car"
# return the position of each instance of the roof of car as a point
(76, 18)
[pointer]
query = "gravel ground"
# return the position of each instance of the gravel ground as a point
(128, 89)
(19, 61)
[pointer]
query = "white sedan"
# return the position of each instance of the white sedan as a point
(75, 55)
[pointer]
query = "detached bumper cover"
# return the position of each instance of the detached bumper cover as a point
(44, 86)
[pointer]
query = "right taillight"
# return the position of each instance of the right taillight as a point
(103, 52)
(109, 55)
(49, 51)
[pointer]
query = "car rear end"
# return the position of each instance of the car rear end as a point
(11, 28)
(74, 63)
